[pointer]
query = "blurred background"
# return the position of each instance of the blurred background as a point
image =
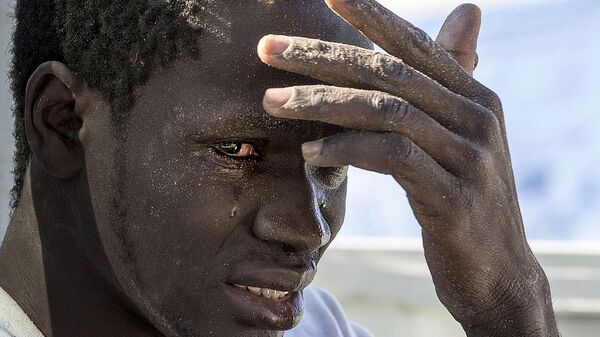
(541, 57)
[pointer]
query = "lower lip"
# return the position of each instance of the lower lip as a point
(270, 314)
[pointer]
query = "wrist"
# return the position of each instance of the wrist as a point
(516, 325)
(523, 310)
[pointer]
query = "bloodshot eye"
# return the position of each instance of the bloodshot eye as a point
(237, 149)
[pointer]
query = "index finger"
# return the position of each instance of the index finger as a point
(402, 39)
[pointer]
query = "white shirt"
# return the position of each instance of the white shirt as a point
(13, 321)
(323, 317)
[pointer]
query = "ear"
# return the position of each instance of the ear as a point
(51, 121)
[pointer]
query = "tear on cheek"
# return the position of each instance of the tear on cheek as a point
(234, 211)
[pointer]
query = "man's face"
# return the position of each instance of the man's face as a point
(208, 192)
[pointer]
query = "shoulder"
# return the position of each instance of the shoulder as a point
(324, 316)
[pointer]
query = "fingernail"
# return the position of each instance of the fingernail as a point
(311, 150)
(274, 44)
(278, 97)
(332, 3)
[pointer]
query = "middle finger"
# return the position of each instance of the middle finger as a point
(347, 65)
(402, 39)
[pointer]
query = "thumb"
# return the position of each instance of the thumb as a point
(459, 34)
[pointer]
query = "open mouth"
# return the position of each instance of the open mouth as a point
(276, 305)
(271, 294)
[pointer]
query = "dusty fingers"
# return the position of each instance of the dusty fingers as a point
(352, 66)
(402, 39)
(392, 154)
(373, 111)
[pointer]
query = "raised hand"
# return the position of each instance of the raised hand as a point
(418, 115)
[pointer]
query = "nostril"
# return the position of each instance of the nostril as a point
(298, 232)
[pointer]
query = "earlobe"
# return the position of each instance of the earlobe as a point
(51, 120)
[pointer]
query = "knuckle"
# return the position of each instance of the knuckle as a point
(488, 98)
(390, 110)
(318, 95)
(400, 146)
(422, 39)
(389, 68)
(480, 157)
(312, 48)
(493, 97)
(493, 101)
(400, 152)
(489, 124)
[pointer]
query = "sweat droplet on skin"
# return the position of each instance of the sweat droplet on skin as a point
(233, 211)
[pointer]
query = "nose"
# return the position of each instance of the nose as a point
(292, 217)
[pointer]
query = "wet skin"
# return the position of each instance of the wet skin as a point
(148, 236)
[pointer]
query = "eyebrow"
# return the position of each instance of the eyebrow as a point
(243, 124)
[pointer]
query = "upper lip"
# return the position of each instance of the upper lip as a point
(288, 279)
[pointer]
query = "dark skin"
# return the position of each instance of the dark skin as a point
(149, 236)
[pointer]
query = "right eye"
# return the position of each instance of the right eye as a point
(237, 149)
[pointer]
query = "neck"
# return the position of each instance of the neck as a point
(41, 269)
(22, 272)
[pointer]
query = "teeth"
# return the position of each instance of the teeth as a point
(268, 293)
(265, 292)
(255, 290)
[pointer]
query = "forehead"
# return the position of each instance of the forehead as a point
(231, 28)
(228, 80)
(232, 19)
(232, 32)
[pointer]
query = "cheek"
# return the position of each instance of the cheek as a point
(101, 153)
(178, 219)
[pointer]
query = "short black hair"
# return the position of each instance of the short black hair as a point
(114, 45)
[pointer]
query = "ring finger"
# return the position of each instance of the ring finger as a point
(368, 111)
